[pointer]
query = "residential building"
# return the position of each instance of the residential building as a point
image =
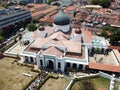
(12, 16)
(39, 10)
(33, 1)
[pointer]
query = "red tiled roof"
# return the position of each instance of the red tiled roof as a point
(101, 89)
(87, 36)
(78, 17)
(114, 47)
(71, 8)
(54, 51)
(104, 67)
(39, 9)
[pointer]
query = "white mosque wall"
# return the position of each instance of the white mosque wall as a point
(77, 37)
(63, 28)
(42, 34)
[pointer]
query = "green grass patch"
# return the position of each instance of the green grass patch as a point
(92, 83)
(116, 86)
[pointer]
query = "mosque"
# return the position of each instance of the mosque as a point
(61, 47)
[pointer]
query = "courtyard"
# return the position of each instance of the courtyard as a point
(11, 77)
(103, 59)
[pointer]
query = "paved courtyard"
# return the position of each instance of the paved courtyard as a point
(103, 59)
(16, 49)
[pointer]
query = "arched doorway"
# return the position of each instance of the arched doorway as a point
(80, 66)
(26, 59)
(67, 64)
(50, 64)
(74, 65)
(41, 62)
(31, 59)
(59, 65)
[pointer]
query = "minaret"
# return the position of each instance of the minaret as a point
(42, 32)
(78, 34)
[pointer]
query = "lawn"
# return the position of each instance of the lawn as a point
(92, 84)
(54, 84)
(11, 77)
(116, 85)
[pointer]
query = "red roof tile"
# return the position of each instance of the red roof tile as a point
(87, 36)
(71, 8)
(114, 47)
(104, 67)
(101, 89)
(54, 51)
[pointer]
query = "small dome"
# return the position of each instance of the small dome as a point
(78, 31)
(41, 28)
(61, 18)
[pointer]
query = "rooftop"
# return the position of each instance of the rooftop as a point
(69, 8)
(10, 12)
(76, 55)
(104, 67)
(87, 36)
(52, 50)
(40, 9)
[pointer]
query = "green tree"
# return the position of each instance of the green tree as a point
(103, 3)
(49, 1)
(31, 27)
(109, 28)
(104, 33)
(21, 3)
(115, 38)
(95, 2)
(1, 38)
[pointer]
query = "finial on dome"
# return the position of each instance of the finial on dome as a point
(41, 28)
(78, 30)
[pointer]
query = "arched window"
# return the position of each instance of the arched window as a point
(80, 66)
(26, 58)
(68, 65)
(41, 62)
(50, 64)
(74, 65)
(59, 65)
(31, 59)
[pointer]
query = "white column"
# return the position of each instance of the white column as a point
(56, 65)
(38, 61)
(84, 67)
(71, 64)
(62, 66)
(34, 59)
(29, 59)
(22, 58)
(77, 66)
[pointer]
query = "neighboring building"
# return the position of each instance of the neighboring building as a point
(39, 10)
(67, 2)
(33, 1)
(12, 16)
